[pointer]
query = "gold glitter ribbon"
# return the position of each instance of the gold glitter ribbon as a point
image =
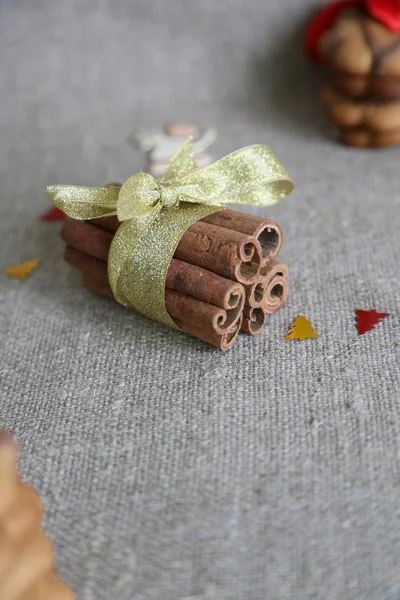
(154, 214)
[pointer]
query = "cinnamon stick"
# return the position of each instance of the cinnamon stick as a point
(226, 252)
(97, 287)
(181, 276)
(275, 285)
(199, 327)
(223, 342)
(269, 292)
(89, 266)
(179, 306)
(255, 293)
(267, 232)
(189, 310)
(277, 293)
(253, 320)
(204, 285)
(87, 238)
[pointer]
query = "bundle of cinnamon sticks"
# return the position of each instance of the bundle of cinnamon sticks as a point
(224, 277)
(27, 557)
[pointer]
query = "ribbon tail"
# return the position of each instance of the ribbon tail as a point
(123, 247)
(84, 203)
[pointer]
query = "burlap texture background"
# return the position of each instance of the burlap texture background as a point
(168, 469)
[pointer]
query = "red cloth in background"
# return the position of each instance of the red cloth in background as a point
(385, 11)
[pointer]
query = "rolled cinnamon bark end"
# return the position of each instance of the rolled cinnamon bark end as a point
(267, 232)
(276, 296)
(185, 308)
(253, 320)
(274, 267)
(223, 342)
(276, 286)
(255, 293)
(225, 252)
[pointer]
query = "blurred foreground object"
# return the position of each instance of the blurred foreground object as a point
(161, 145)
(358, 43)
(26, 554)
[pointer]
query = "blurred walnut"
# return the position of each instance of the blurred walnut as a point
(363, 56)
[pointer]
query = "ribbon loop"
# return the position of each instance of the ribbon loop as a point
(155, 214)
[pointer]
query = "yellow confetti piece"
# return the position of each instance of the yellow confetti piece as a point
(301, 330)
(24, 270)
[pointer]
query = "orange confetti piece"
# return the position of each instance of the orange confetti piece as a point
(24, 270)
(301, 330)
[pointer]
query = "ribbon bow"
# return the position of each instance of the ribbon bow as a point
(154, 214)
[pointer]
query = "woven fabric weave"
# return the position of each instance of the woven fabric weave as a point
(169, 470)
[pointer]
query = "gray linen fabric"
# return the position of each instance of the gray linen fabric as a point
(170, 470)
